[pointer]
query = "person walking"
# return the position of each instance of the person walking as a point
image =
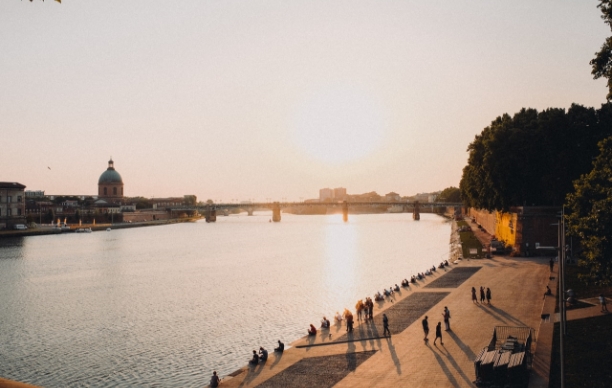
(482, 294)
(371, 307)
(446, 315)
(439, 333)
(425, 328)
(551, 262)
(359, 308)
(489, 295)
(386, 325)
(214, 380)
(602, 302)
(474, 299)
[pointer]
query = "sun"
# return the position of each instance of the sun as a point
(338, 125)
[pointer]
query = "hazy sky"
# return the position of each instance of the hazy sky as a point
(276, 99)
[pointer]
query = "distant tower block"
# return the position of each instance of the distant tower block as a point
(415, 213)
(276, 212)
(345, 211)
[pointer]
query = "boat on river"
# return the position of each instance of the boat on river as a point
(83, 230)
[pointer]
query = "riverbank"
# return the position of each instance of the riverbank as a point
(366, 358)
(40, 231)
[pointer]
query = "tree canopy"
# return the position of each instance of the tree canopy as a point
(449, 194)
(533, 157)
(602, 63)
(590, 217)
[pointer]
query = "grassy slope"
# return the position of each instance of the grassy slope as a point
(468, 240)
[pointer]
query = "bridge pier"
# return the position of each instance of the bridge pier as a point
(416, 215)
(249, 211)
(345, 211)
(211, 214)
(276, 212)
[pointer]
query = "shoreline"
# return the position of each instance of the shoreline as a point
(393, 361)
(300, 343)
(95, 228)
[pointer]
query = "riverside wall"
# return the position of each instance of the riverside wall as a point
(522, 228)
(97, 227)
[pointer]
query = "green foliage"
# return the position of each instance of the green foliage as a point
(602, 63)
(533, 157)
(190, 200)
(590, 217)
(469, 241)
(449, 194)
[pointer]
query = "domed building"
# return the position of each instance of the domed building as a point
(110, 184)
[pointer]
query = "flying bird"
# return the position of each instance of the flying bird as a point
(49, 167)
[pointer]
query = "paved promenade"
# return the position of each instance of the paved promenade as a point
(366, 358)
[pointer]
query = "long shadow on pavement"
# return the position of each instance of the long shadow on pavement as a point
(466, 349)
(507, 316)
(396, 361)
(277, 358)
(493, 314)
(454, 364)
(445, 369)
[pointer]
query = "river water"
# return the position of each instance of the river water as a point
(166, 305)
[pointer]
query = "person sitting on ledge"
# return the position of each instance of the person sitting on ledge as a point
(263, 354)
(214, 380)
(324, 323)
(312, 330)
(338, 317)
(281, 347)
(255, 359)
(547, 292)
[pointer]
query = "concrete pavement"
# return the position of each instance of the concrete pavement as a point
(404, 359)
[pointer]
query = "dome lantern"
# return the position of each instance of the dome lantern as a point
(110, 184)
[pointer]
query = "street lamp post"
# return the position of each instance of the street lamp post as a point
(562, 307)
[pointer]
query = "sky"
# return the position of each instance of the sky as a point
(272, 100)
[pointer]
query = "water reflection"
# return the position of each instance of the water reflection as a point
(341, 260)
(164, 306)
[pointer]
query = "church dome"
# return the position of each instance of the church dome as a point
(110, 175)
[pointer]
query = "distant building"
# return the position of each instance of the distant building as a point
(340, 193)
(12, 204)
(110, 184)
(162, 203)
(392, 197)
(422, 197)
(325, 194)
(34, 194)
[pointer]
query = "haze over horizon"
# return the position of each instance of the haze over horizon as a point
(271, 99)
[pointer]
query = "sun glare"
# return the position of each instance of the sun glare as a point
(339, 125)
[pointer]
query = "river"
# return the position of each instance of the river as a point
(166, 305)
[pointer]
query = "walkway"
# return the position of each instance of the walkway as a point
(366, 359)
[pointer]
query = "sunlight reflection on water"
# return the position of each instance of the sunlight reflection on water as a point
(166, 305)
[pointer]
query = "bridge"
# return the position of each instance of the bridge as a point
(210, 210)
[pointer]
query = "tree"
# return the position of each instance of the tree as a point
(449, 194)
(602, 63)
(190, 200)
(590, 217)
(533, 157)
